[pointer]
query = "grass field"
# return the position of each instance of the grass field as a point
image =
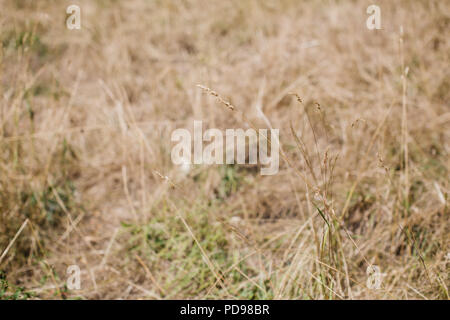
(86, 177)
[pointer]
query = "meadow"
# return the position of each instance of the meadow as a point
(359, 208)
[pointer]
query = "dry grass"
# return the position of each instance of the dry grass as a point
(85, 124)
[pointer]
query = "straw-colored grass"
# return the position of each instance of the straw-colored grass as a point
(86, 176)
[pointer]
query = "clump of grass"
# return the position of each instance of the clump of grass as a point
(180, 243)
(46, 204)
(12, 293)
